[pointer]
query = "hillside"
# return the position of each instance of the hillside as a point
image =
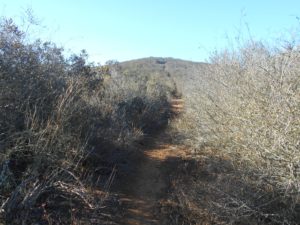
(176, 68)
(176, 72)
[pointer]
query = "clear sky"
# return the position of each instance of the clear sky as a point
(130, 29)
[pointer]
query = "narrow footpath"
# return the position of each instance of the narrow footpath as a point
(142, 191)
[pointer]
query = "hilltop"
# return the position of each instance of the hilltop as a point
(176, 68)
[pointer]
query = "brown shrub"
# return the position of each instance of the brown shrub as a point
(247, 106)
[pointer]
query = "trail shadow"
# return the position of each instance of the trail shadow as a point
(143, 186)
(163, 183)
(210, 190)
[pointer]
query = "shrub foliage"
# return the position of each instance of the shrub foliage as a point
(246, 105)
(57, 115)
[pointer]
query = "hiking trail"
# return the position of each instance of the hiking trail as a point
(141, 192)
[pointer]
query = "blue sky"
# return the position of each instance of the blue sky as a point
(130, 29)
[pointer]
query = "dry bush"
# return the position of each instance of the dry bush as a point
(30, 77)
(247, 106)
(58, 120)
(43, 158)
(134, 108)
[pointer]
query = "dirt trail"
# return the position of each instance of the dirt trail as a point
(141, 193)
(146, 186)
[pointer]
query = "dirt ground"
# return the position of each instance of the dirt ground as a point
(143, 190)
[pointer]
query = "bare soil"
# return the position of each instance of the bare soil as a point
(143, 189)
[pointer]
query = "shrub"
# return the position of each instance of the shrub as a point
(247, 106)
(133, 109)
(58, 119)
